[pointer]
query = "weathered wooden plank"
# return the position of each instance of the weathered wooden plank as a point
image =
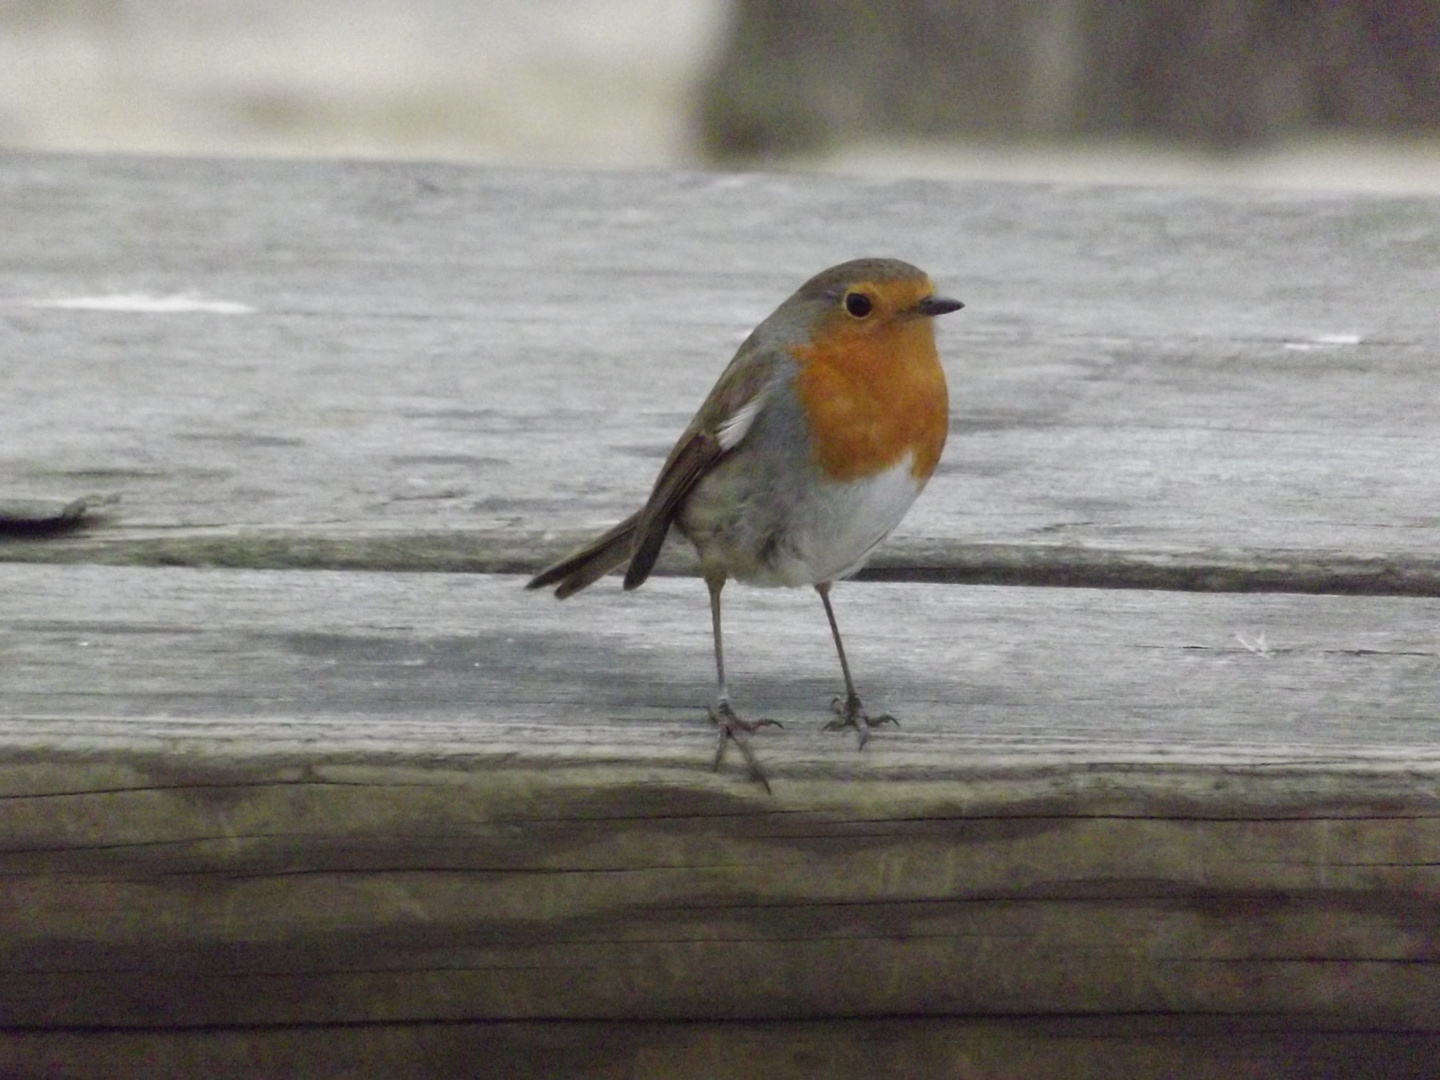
(904, 558)
(133, 659)
(1122, 1048)
(184, 896)
(291, 799)
(258, 798)
(384, 351)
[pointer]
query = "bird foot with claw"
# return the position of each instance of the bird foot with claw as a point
(849, 713)
(734, 729)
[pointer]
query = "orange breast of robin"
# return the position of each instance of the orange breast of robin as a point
(874, 392)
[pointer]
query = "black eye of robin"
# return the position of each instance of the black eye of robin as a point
(858, 304)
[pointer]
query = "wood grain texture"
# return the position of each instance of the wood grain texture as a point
(435, 664)
(443, 352)
(258, 798)
(353, 816)
(1135, 1048)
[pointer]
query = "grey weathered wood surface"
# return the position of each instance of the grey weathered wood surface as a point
(326, 820)
(456, 368)
(433, 666)
(275, 802)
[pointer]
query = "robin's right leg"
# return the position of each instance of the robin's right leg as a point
(732, 728)
(849, 712)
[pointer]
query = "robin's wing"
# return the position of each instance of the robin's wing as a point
(694, 456)
(721, 425)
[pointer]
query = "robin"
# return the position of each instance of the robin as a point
(808, 451)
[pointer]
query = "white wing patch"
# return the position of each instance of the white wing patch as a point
(738, 426)
(144, 304)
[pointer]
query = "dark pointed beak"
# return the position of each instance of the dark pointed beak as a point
(938, 305)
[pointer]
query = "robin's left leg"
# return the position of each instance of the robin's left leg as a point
(732, 727)
(849, 713)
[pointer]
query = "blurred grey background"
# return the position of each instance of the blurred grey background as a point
(1318, 93)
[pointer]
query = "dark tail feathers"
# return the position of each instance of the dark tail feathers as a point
(591, 562)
